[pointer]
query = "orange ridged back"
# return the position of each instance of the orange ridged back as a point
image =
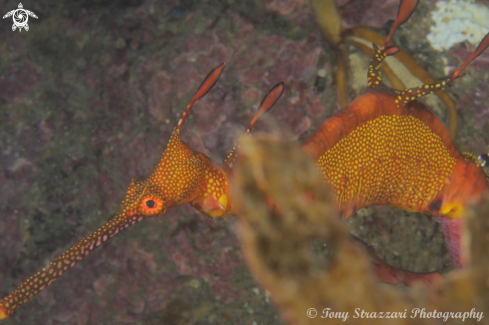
(377, 151)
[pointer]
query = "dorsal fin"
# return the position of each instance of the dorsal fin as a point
(209, 82)
(478, 51)
(267, 103)
(406, 9)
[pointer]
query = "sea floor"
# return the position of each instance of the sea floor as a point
(88, 99)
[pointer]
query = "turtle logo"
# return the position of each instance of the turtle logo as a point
(20, 17)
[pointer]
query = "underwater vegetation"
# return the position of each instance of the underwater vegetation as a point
(281, 245)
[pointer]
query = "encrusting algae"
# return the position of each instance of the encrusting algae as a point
(409, 162)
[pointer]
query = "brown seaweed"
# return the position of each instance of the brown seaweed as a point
(336, 36)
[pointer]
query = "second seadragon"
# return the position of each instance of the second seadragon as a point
(385, 148)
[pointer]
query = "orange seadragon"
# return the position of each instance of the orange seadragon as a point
(181, 176)
(384, 148)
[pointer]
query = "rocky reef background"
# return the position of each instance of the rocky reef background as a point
(88, 99)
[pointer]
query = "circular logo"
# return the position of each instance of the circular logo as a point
(312, 313)
(20, 18)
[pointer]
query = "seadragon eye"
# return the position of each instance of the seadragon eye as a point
(151, 205)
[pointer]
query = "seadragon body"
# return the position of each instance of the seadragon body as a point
(377, 152)
(385, 148)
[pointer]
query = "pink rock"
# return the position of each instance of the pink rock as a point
(369, 13)
(225, 291)
(160, 98)
(18, 82)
